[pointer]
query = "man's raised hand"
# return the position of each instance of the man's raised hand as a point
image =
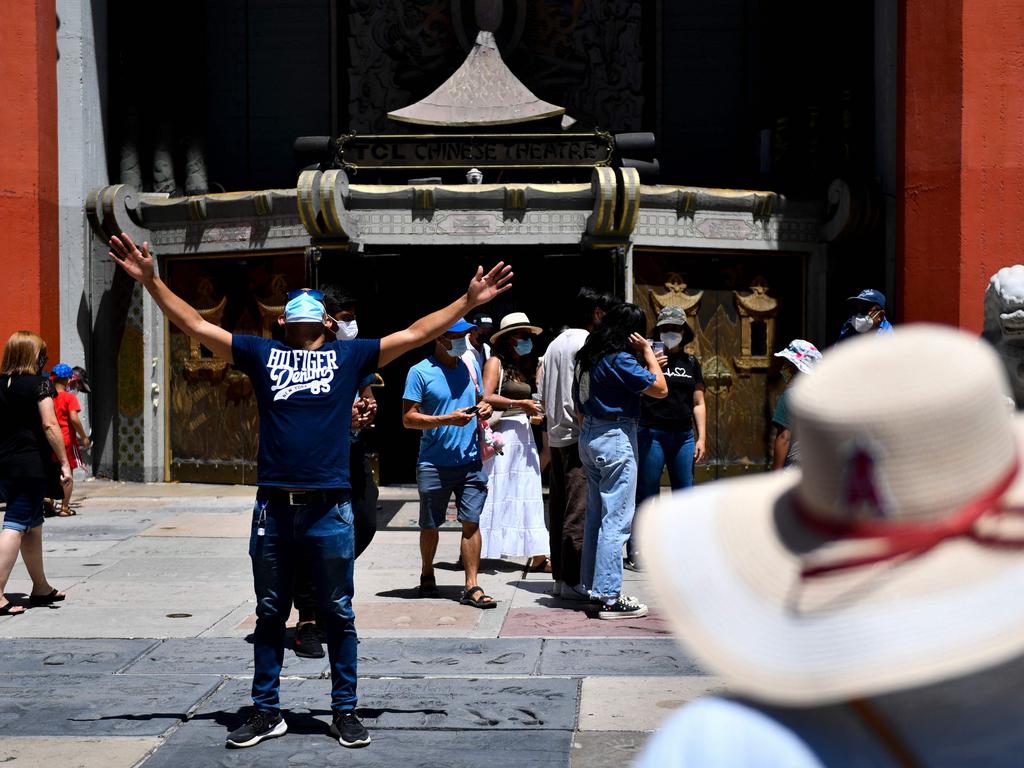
(138, 264)
(483, 288)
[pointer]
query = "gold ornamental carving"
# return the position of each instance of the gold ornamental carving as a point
(756, 310)
(272, 306)
(197, 367)
(678, 294)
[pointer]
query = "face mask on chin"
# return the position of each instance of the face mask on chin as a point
(347, 330)
(459, 347)
(862, 323)
(671, 340)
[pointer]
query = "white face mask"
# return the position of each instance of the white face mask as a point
(459, 347)
(347, 330)
(671, 340)
(862, 323)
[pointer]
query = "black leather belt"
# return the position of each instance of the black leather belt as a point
(302, 498)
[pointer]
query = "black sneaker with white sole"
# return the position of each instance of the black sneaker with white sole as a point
(623, 608)
(349, 730)
(261, 725)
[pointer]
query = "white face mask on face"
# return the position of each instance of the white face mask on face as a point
(459, 347)
(862, 323)
(671, 340)
(347, 330)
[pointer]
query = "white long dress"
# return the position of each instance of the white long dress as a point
(512, 523)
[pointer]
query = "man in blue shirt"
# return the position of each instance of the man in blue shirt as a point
(442, 397)
(867, 314)
(304, 392)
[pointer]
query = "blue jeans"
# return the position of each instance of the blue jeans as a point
(321, 534)
(658, 447)
(608, 453)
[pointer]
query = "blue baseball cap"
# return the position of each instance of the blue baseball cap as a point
(870, 296)
(62, 371)
(461, 326)
(304, 309)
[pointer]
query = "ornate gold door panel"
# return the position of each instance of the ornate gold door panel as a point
(213, 418)
(742, 310)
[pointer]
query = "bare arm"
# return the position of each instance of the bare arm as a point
(782, 438)
(659, 389)
(482, 288)
(140, 267)
(76, 423)
(55, 437)
(413, 419)
(492, 377)
(700, 417)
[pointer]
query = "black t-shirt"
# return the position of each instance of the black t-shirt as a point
(24, 450)
(675, 412)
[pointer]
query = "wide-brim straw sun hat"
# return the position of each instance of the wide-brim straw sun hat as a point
(890, 559)
(515, 321)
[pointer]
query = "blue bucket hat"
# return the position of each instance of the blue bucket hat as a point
(62, 371)
(304, 309)
(461, 326)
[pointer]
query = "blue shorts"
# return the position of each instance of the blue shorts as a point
(436, 485)
(24, 503)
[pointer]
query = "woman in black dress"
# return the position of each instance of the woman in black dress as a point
(29, 438)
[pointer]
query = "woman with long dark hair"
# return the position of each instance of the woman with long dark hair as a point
(512, 523)
(29, 436)
(615, 366)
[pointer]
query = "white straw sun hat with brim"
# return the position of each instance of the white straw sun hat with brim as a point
(515, 321)
(891, 558)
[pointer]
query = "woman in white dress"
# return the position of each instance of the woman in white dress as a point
(512, 523)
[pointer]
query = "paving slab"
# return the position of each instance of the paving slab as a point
(45, 656)
(231, 525)
(435, 703)
(75, 547)
(94, 530)
(606, 749)
(127, 609)
(443, 656)
(214, 656)
(577, 622)
(170, 546)
(406, 614)
(639, 703)
(584, 657)
(181, 568)
(60, 568)
(309, 745)
(403, 584)
(75, 751)
(97, 705)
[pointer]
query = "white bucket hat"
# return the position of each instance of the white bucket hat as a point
(891, 558)
(802, 354)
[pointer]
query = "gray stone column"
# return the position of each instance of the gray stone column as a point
(82, 163)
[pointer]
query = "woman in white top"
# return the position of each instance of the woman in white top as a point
(512, 523)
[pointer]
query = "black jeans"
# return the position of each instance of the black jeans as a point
(567, 511)
(364, 510)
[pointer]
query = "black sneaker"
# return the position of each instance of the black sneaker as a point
(261, 725)
(306, 642)
(632, 564)
(623, 608)
(349, 730)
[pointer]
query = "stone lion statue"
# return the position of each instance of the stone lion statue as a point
(1004, 324)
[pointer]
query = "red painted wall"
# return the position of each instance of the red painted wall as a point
(962, 154)
(29, 269)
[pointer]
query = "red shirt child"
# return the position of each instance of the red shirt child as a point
(67, 407)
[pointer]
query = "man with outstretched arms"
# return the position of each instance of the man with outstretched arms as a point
(304, 392)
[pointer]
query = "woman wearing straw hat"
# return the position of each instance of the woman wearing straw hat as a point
(512, 522)
(607, 389)
(864, 608)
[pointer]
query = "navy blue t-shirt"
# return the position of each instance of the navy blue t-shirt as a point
(612, 388)
(305, 406)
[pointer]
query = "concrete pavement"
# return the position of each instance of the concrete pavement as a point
(147, 663)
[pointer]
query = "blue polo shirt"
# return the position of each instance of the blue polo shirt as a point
(612, 388)
(440, 389)
(304, 400)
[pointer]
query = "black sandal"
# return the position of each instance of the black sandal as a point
(37, 601)
(428, 587)
(6, 610)
(482, 602)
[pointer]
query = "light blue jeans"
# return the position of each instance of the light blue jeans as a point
(608, 452)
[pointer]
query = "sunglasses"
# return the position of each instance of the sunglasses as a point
(318, 295)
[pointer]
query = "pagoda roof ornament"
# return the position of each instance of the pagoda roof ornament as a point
(483, 91)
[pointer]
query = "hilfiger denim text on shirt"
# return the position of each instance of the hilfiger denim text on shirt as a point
(295, 370)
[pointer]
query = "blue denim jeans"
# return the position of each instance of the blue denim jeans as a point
(322, 535)
(656, 448)
(608, 453)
